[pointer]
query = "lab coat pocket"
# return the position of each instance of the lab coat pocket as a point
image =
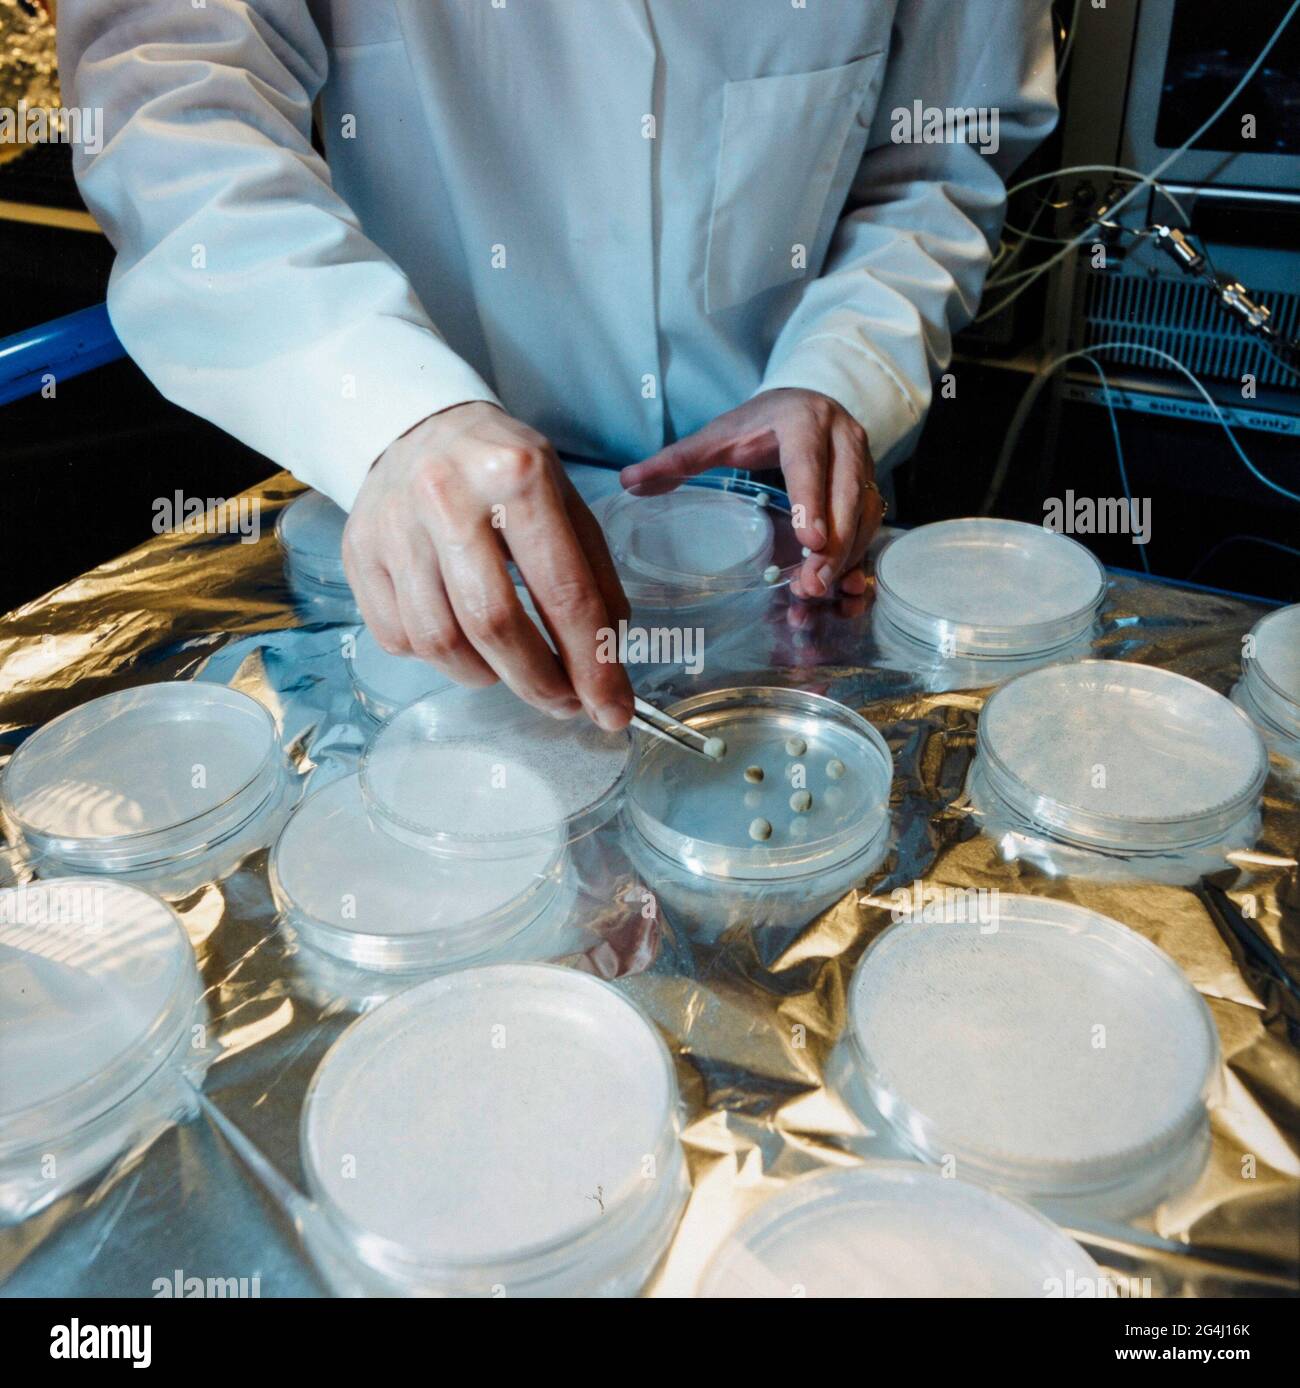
(355, 23)
(788, 144)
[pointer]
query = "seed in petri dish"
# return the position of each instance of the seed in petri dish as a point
(771, 574)
(801, 801)
(795, 746)
(760, 829)
(761, 499)
(754, 774)
(715, 747)
(835, 769)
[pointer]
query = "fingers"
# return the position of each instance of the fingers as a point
(592, 539)
(373, 590)
(571, 578)
(669, 467)
(432, 631)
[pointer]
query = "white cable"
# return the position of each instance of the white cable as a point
(1147, 180)
(1044, 373)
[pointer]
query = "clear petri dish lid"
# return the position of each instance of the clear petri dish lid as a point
(310, 531)
(1061, 1053)
(701, 814)
(481, 773)
(494, 1115)
(357, 893)
(895, 1230)
(383, 683)
(97, 987)
(142, 774)
(710, 537)
(989, 587)
(1273, 673)
(1121, 755)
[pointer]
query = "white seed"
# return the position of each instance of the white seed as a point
(761, 499)
(716, 748)
(760, 829)
(835, 769)
(795, 746)
(754, 774)
(806, 551)
(772, 574)
(801, 801)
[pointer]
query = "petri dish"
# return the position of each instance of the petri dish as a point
(993, 588)
(1049, 1051)
(383, 683)
(98, 989)
(481, 773)
(310, 532)
(699, 814)
(1272, 676)
(1119, 756)
(711, 538)
(896, 1230)
(355, 892)
(510, 1126)
(143, 776)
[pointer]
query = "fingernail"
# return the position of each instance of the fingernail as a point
(825, 575)
(818, 531)
(570, 708)
(611, 718)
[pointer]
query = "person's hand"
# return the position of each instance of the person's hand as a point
(426, 546)
(829, 472)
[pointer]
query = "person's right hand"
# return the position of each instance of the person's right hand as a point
(426, 546)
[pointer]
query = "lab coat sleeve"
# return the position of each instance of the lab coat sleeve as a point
(244, 286)
(908, 259)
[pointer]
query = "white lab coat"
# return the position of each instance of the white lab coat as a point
(619, 218)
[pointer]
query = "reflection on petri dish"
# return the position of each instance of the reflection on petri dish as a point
(1271, 677)
(513, 1125)
(895, 1230)
(1049, 1051)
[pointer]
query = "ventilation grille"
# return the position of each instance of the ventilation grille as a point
(1185, 319)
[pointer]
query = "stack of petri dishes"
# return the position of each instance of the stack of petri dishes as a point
(451, 845)
(696, 829)
(709, 554)
(896, 1230)
(310, 532)
(1049, 1051)
(98, 992)
(1119, 759)
(354, 892)
(164, 781)
(1269, 689)
(511, 1129)
(991, 597)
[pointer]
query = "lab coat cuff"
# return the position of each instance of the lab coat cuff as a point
(389, 378)
(859, 381)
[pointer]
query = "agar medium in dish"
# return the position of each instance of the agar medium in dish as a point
(700, 840)
(1120, 758)
(896, 1230)
(98, 991)
(444, 776)
(355, 892)
(512, 1126)
(143, 777)
(1021, 590)
(1052, 1053)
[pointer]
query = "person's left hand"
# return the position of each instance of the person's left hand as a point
(828, 468)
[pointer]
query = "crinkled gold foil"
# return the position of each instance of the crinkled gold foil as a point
(751, 1019)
